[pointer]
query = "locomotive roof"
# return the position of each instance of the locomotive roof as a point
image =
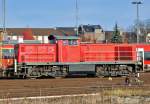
(66, 37)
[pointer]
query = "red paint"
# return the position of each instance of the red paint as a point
(97, 52)
(36, 53)
(28, 35)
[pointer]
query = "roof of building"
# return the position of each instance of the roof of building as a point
(90, 28)
(41, 31)
(66, 37)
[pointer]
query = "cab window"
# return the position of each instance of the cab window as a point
(65, 42)
(73, 42)
(147, 56)
(8, 53)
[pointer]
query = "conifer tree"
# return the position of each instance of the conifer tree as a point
(116, 38)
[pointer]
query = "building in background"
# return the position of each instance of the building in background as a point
(40, 34)
(87, 33)
(91, 33)
(148, 38)
(128, 37)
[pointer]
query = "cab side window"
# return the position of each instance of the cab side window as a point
(8, 53)
(73, 42)
(147, 56)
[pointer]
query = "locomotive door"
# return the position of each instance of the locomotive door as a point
(140, 56)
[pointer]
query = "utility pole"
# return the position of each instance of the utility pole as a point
(3, 33)
(77, 18)
(137, 3)
(4, 15)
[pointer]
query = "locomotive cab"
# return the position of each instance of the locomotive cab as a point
(68, 48)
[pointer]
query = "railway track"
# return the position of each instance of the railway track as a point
(50, 87)
(13, 93)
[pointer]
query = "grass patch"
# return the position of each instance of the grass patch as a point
(126, 92)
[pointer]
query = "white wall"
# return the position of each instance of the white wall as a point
(46, 39)
(20, 39)
(40, 38)
(14, 37)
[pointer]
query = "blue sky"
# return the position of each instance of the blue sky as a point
(56, 13)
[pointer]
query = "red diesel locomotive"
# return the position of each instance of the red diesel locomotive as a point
(66, 55)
